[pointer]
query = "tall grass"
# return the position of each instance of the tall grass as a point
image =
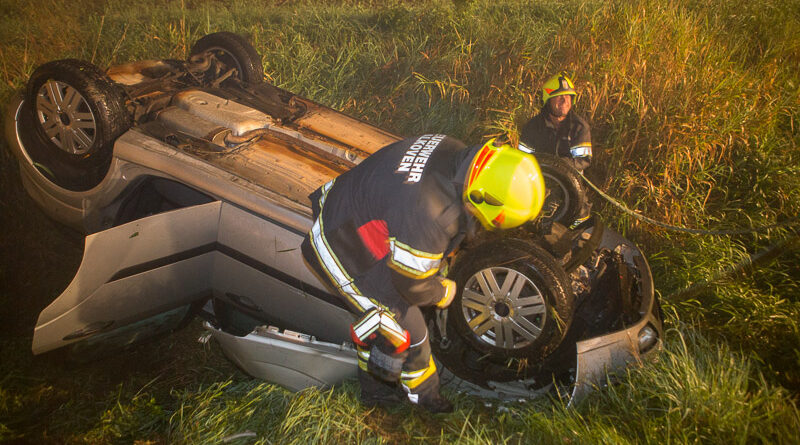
(694, 113)
(698, 391)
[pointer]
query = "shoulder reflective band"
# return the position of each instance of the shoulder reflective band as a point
(412, 262)
(581, 151)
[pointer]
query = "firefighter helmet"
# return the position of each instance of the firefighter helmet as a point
(557, 85)
(504, 187)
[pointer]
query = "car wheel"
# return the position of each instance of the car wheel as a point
(232, 51)
(564, 192)
(76, 113)
(513, 307)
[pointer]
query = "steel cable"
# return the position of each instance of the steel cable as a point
(622, 207)
(766, 254)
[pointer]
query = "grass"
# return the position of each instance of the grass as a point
(694, 112)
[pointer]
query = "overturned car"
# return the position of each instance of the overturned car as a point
(192, 178)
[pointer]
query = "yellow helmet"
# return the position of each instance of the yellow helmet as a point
(557, 85)
(504, 187)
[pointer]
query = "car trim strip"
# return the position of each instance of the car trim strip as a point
(163, 261)
(236, 255)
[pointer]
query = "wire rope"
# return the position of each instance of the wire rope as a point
(640, 217)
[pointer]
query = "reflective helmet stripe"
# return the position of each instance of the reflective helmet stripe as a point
(480, 162)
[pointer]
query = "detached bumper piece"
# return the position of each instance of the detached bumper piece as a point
(287, 358)
(601, 357)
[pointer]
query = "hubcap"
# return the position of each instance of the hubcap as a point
(65, 117)
(503, 308)
(557, 199)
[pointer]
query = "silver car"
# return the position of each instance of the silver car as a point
(191, 179)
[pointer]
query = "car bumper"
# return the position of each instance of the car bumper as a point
(290, 359)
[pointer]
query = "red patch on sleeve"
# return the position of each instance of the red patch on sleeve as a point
(375, 235)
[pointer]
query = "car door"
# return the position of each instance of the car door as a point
(146, 277)
(136, 280)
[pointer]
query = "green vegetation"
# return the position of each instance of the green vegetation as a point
(695, 108)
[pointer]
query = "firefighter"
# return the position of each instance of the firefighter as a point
(381, 236)
(559, 130)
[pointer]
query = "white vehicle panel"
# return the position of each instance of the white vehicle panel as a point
(95, 291)
(165, 261)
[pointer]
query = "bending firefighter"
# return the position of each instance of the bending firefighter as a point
(381, 236)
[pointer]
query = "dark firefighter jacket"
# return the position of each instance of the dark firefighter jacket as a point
(572, 139)
(402, 206)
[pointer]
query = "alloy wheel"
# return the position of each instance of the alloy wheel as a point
(65, 117)
(503, 308)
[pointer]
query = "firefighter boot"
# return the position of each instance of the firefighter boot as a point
(436, 403)
(428, 397)
(377, 393)
(421, 379)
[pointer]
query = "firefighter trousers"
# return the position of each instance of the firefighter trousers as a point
(419, 378)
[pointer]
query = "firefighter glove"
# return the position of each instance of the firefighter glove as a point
(386, 340)
(449, 293)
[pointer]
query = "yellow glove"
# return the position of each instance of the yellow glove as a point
(449, 293)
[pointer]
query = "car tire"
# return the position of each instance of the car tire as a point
(535, 308)
(76, 113)
(234, 51)
(564, 191)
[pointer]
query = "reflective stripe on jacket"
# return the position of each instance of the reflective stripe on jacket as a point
(572, 140)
